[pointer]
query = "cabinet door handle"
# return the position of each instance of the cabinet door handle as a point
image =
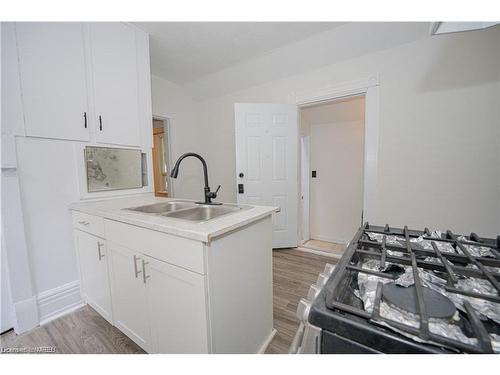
(136, 271)
(144, 277)
(100, 123)
(85, 119)
(83, 222)
(101, 255)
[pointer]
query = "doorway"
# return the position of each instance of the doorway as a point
(161, 158)
(332, 169)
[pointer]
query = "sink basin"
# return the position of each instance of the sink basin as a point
(161, 208)
(187, 210)
(204, 212)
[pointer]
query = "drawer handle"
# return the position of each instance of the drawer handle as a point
(144, 277)
(83, 222)
(136, 271)
(101, 255)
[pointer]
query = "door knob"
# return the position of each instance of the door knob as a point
(241, 175)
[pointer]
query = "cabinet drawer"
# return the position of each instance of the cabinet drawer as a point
(88, 223)
(178, 251)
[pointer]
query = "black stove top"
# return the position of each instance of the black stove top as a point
(397, 290)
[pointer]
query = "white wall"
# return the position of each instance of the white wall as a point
(171, 101)
(337, 142)
(439, 129)
(49, 184)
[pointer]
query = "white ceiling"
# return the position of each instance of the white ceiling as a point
(342, 43)
(186, 51)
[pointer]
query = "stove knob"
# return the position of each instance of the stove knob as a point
(329, 269)
(303, 309)
(322, 279)
(313, 292)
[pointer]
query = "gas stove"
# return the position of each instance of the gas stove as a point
(397, 290)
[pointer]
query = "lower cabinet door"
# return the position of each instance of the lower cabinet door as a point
(176, 309)
(93, 260)
(129, 294)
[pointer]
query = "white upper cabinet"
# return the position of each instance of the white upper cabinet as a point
(115, 82)
(53, 81)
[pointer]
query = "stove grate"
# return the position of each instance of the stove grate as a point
(411, 255)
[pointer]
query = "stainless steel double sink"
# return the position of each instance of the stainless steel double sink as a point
(187, 210)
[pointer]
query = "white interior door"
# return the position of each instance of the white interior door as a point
(266, 163)
(304, 183)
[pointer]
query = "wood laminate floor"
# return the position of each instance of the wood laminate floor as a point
(293, 273)
(85, 331)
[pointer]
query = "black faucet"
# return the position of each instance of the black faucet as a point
(209, 195)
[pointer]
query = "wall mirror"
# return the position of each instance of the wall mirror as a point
(112, 168)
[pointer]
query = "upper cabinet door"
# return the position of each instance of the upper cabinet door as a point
(114, 66)
(53, 81)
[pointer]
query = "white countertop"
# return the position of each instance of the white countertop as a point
(200, 231)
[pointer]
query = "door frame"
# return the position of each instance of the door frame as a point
(369, 87)
(168, 128)
(305, 171)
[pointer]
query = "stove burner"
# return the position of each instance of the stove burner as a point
(436, 304)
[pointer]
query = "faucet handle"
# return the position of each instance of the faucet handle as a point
(212, 194)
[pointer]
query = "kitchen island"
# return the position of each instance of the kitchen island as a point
(177, 277)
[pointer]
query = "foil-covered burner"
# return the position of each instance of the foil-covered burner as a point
(405, 298)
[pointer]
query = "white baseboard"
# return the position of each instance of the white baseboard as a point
(266, 343)
(59, 301)
(327, 239)
(26, 315)
(319, 252)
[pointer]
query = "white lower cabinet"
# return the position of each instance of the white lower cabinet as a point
(160, 306)
(175, 295)
(93, 254)
(129, 294)
(176, 308)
